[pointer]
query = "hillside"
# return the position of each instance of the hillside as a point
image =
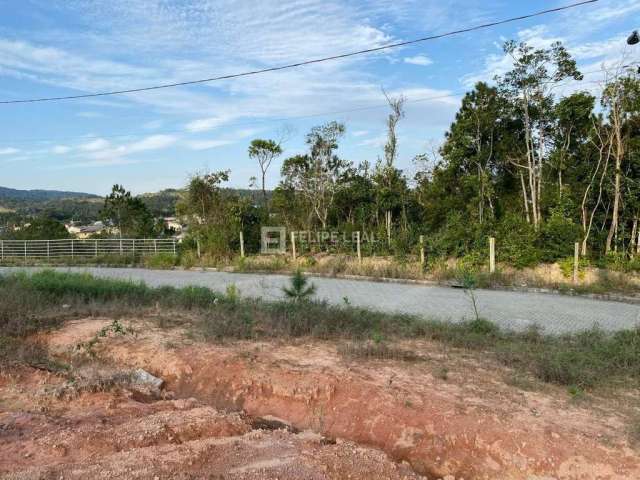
(14, 195)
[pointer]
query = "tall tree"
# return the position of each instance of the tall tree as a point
(264, 151)
(386, 173)
(529, 85)
(129, 214)
(317, 174)
(621, 99)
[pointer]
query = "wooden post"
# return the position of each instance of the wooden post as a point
(2, 248)
(422, 250)
(72, 252)
(96, 248)
(174, 246)
(576, 261)
(358, 246)
(293, 245)
(155, 245)
(492, 254)
(48, 249)
(198, 246)
(241, 244)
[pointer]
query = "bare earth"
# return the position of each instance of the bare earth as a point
(223, 406)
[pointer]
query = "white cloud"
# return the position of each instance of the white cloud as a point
(360, 133)
(60, 149)
(418, 60)
(94, 145)
(154, 142)
(8, 151)
(205, 124)
(207, 144)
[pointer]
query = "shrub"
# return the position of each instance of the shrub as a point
(557, 236)
(515, 242)
(161, 261)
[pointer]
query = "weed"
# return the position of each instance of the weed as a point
(300, 289)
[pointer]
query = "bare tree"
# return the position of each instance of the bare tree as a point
(396, 104)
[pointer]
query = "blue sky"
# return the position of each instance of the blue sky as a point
(154, 140)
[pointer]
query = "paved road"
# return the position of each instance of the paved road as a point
(514, 310)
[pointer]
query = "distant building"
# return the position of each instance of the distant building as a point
(86, 231)
(173, 223)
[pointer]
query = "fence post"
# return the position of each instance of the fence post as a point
(241, 244)
(2, 248)
(492, 254)
(120, 246)
(358, 246)
(173, 241)
(422, 250)
(293, 244)
(25, 251)
(576, 260)
(155, 245)
(72, 251)
(198, 246)
(96, 248)
(48, 250)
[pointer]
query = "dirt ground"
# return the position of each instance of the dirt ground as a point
(297, 411)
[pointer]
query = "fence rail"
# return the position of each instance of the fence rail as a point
(85, 248)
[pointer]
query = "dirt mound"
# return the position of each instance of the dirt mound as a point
(391, 419)
(108, 435)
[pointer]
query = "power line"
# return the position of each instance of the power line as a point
(305, 62)
(459, 93)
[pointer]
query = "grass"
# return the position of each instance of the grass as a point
(586, 360)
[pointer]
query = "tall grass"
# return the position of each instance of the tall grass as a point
(29, 303)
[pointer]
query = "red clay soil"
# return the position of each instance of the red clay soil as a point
(470, 425)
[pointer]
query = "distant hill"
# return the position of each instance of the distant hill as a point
(12, 194)
(85, 207)
(55, 203)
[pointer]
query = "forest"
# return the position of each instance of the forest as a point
(534, 168)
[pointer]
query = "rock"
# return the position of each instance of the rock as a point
(143, 377)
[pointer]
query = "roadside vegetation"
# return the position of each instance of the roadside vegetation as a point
(536, 170)
(34, 303)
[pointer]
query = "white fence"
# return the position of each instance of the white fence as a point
(85, 248)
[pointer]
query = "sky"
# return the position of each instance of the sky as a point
(157, 139)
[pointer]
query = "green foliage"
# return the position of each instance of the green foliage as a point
(161, 261)
(41, 228)
(557, 236)
(129, 214)
(300, 289)
(516, 242)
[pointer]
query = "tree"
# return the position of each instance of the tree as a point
(528, 86)
(41, 228)
(264, 151)
(300, 290)
(389, 178)
(621, 99)
(129, 214)
(317, 174)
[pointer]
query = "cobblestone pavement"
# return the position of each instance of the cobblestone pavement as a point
(515, 310)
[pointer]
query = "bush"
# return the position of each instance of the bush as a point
(161, 261)
(557, 236)
(515, 242)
